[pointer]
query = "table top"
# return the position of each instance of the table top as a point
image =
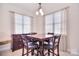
(41, 36)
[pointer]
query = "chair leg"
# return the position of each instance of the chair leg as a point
(37, 52)
(43, 52)
(27, 51)
(32, 53)
(53, 52)
(58, 51)
(23, 51)
(48, 52)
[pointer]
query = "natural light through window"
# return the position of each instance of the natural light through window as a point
(22, 24)
(53, 22)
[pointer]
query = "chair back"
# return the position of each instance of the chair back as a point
(50, 33)
(26, 39)
(56, 40)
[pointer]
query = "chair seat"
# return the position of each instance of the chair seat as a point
(48, 43)
(52, 45)
(32, 45)
(49, 46)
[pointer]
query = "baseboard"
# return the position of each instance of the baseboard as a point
(5, 47)
(73, 51)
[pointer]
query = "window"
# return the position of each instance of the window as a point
(22, 24)
(57, 22)
(53, 22)
(48, 23)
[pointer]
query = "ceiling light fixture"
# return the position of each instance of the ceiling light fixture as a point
(40, 10)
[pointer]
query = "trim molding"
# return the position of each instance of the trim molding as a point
(73, 52)
(5, 42)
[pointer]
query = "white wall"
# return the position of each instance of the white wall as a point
(5, 21)
(74, 28)
(38, 24)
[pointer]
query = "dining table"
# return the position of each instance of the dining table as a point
(41, 38)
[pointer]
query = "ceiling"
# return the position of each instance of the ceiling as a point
(47, 7)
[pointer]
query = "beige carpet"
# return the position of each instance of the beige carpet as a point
(19, 52)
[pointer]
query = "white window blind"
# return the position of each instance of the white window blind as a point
(22, 24)
(27, 24)
(57, 22)
(48, 23)
(53, 22)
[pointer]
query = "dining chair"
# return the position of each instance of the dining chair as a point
(34, 41)
(49, 33)
(52, 45)
(29, 45)
(48, 41)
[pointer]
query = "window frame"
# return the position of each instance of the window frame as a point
(22, 23)
(53, 24)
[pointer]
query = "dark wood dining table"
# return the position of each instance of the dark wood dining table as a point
(40, 38)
